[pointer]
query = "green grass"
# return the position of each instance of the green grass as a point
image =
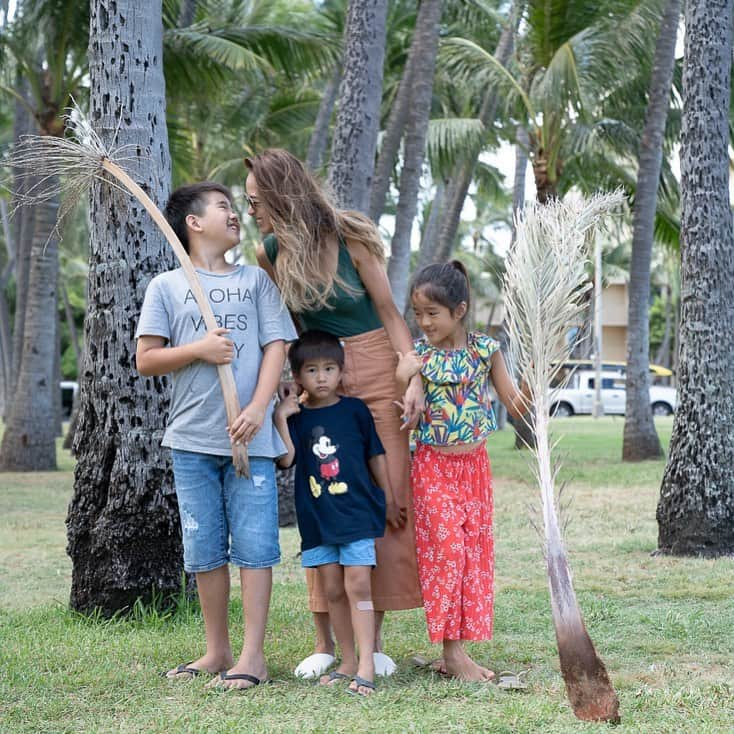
(663, 626)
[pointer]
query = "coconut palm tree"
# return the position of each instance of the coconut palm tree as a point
(465, 164)
(571, 55)
(123, 527)
(640, 437)
(695, 511)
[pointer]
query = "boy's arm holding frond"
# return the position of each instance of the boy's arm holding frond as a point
(153, 357)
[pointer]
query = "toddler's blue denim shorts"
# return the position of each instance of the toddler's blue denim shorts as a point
(226, 518)
(356, 553)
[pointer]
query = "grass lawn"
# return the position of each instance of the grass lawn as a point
(663, 626)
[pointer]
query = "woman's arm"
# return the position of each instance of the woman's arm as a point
(517, 401)
(373, 276)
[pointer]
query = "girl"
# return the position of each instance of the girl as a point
(329, 266)
(451, 480)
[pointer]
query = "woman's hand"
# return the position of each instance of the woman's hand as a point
(413, 404)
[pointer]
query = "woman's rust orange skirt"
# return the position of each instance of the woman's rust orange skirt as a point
(369, 374)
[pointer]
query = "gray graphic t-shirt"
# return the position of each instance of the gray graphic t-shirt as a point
(245, 301)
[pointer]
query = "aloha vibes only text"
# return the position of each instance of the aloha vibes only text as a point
(233, 321)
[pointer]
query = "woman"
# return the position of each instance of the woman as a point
(329, 266)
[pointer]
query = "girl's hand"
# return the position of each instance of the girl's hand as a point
(409, 364)
(407, 423)
(397, 517)
(247, 424)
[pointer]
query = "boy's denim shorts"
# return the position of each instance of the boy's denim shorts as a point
(225, 517)
(356, 553)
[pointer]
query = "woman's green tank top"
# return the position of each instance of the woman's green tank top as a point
(350, 313)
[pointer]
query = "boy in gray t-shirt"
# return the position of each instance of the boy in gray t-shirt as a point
(223, 517)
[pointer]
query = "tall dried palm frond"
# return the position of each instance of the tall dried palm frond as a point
(67, 166)
(545, 283)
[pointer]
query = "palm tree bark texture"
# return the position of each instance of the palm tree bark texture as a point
(124, 537)
(29, 440)
(358, 119)
(640, 437)
(696, 508)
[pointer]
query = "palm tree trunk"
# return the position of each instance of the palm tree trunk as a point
(429, 236)
(358, 120)
(391, 139)
(521, 167)
(124, 536)
(29, 441)
(464, 171)
(320, 137)
(424, 49)
(640, 437)
(696, 508)
(663, 355)
(5, 352)
(23, 230)
(6, 340)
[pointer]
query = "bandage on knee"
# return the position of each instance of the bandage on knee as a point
(365, 606)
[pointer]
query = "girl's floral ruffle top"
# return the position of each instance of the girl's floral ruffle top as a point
(458, 402)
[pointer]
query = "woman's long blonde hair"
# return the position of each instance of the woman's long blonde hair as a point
(303, 218)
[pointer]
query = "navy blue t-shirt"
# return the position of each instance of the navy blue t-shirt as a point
(337, 500)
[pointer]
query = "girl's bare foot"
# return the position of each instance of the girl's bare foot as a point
(458, 664)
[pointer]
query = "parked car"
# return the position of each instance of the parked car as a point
(577, 398)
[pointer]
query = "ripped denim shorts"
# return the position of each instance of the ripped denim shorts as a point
(226, 518)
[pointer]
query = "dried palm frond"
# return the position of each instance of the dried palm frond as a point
(545, 283)
(67, 166)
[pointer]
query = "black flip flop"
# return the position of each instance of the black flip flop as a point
(243, 676)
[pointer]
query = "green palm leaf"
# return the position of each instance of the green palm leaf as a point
(450, 139)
